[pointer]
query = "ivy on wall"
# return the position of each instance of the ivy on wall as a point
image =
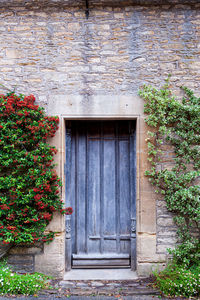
(29, 186)
(177, 124)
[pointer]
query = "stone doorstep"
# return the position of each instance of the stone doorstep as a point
(140, 287)
(80, 292)
(94, 292)
(100, 274)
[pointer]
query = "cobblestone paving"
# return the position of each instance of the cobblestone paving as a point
(140, 289)
(106, 288)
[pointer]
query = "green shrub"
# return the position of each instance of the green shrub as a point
(187, 253)
(175, 123)
(177, 281)
(26, 284)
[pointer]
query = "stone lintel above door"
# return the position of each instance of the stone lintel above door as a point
(96, 106)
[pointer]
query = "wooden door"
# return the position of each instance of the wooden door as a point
(100, 186)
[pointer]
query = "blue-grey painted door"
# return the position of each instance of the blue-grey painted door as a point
(100, 186)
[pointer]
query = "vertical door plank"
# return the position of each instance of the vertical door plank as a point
(81, 157)
(133, 194)
(124, 183)
(109, 195)
(101, 164)
(73, 191)
(124, 192)
(94, 222)
(117, 188)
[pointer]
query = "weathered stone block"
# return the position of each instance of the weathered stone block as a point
(163, 248)
(52, 261)
(145, 269)
(23, 250)
(166, 240)
(57, 223)
(165, 221)
(14, 53)
(21, 263)
(146, 249)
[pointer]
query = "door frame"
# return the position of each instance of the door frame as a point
(134, 221)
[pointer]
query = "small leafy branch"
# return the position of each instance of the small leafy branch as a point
(176, 124)
(29, 186)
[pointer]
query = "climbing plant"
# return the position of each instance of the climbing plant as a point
(175, 130)
(29, 186)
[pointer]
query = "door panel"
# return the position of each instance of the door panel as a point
(102, 192)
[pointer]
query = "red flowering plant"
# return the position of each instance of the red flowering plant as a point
(29, 186)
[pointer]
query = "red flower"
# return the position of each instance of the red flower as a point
(67, 211)
(52, 208)
(47, 216)
(10, 217)
(35, 158)
(4, 242)
(11, 203)
(35, 220)
(36, 239)
(37, 197)
(4, 207)
(11, 227)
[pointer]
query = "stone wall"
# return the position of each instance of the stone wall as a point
(75, 65)
(57, 51)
